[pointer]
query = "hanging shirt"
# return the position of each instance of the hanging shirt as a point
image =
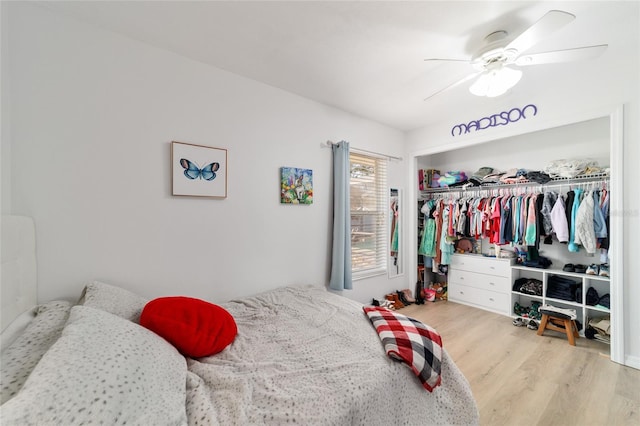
(530, 232)
(568, 207)
(446, 245)
(486, 217)
(599, 221)
(438, 216)
(494, 236)
(559, 220)
(548, 203)
(584, 230)
(507, 222)
(523, 218)
(517, 204)
(428, 241)
(573, 247)
(462, 217)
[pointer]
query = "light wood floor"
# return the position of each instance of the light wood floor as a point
(520, 378)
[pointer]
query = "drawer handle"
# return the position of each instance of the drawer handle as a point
(492, 283)
(492, 267)
(491, 298)
(462, 292)
(462, 278)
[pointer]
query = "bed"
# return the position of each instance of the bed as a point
(301, 355)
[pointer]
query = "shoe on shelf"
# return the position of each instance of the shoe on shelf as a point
(569, 267)
(593, 269)
(581, 269)
(604, 270)
(519, 322)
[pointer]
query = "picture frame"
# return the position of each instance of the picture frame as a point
(198, 170)
(296, 185)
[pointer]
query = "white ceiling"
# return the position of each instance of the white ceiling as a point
(364, 57)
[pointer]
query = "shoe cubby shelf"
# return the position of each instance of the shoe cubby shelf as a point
(561, 272)
(584, 311)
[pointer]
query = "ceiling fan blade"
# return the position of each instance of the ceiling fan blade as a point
(446, 59)
(543, 27)
(454, 84)
(557, 56)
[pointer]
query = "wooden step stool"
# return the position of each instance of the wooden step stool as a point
(561, 323)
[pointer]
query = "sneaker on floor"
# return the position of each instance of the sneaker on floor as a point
(532, 325)
(519, 322)
(604, 270)
(593, 269)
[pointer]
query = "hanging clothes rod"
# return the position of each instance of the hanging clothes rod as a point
(364, 151)
(554, 183)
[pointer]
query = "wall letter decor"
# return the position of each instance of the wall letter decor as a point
(500, 119)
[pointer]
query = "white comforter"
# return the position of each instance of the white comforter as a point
(302, 356)
(306, 356)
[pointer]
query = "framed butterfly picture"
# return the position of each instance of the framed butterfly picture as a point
(198, 170)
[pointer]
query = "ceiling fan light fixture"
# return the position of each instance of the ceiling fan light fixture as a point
(495, 82)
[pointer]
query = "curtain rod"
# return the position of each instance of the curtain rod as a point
(391, 157)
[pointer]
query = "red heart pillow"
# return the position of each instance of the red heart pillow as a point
(195, 327)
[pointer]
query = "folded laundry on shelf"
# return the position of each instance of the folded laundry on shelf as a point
(555, 311)
(449, 178)
(562, 288)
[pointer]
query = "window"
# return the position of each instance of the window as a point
(368, 196)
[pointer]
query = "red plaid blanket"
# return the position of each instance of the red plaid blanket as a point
(410, 341)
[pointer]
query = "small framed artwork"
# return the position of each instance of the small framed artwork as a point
(296, 186)
(198, 170)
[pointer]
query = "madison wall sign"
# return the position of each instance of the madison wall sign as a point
(499, 119)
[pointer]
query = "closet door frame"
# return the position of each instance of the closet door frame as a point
(615, 117)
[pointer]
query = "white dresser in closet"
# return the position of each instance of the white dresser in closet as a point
(480, 281)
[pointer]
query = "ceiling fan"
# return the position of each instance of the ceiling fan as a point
(493, 64)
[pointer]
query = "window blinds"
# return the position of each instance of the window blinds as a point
(369, 213)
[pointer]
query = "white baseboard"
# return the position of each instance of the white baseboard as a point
(632, 361)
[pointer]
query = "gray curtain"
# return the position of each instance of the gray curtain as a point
(341, 253)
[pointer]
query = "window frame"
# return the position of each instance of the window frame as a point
(377, 263)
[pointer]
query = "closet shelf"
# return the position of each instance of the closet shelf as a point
(550, 271)
(591, 178)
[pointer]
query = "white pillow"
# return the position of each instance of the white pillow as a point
(115, 300)
(22, 355)
(17, 327)
(103, 370)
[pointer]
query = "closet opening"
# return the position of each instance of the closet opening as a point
(597, 139)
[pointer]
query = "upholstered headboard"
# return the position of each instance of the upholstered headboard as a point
(18, 291)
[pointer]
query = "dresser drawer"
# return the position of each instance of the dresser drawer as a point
(481, 264)
(497, 302)
(495, 283)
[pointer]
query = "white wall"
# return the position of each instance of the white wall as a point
(532, 151)
(92, 118)
(5, 148)
(562, 97)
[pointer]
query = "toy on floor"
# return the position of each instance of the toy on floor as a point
(441, 290)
